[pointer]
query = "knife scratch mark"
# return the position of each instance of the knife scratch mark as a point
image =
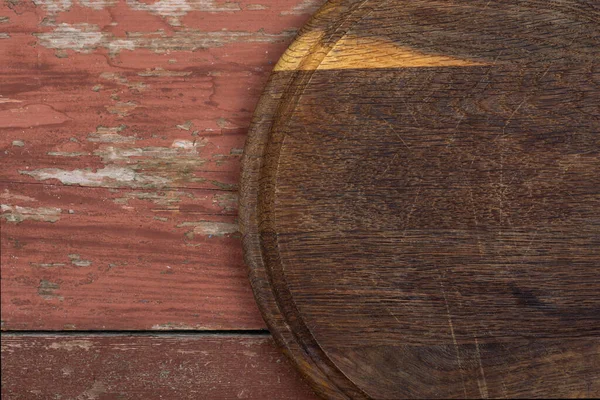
(451, 325)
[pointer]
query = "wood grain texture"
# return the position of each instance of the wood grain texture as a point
(135, 95)
(95, 258)
(420, 199)
(122, 126)
(134, 367)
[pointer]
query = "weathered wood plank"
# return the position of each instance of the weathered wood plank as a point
(145, 105)
(165, 367)
(97, 258)
(129, 94)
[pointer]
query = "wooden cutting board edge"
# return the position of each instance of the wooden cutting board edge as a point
(259, 163)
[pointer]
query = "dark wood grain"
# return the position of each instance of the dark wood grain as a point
(421, 198)
(148, 367)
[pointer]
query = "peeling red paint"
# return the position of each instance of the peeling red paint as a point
(129, 367)
(122, 128)
(124, 260)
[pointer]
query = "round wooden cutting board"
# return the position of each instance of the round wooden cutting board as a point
(420, 199)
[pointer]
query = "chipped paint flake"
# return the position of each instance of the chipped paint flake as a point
(71, 345)
(105, 134)
(47, 290)
(117, 45)
(7, 195)
(109, 176)
(18, 143)
(256, 7)
(306, 7)
(78, 262)
(47, 265)
(18, 214)
(226, 201)
(188, 144)
(122, 80)
(54, 6)
(186, 126)
(85, 38)
(82, 37)
(181, 152)
(7, 100)
(66, 154)
(211, 228)
(163, 72)
(97, 4)
(165, 8)
(122, 108)
(169, 199)
(82, 263)
(172, 10)
(126, 166)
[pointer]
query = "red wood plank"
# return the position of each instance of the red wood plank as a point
(94, 93)
(84, 117)
(97, 258)
(133, 116)
(146, 367)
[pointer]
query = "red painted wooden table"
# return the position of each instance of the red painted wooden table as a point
(122, 125)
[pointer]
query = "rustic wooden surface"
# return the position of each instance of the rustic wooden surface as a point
(163, 367)
(79, 265)
(420, 199)
(122, 124)
(146, 106)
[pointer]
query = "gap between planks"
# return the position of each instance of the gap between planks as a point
(121, 333)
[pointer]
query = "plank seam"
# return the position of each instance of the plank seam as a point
(123, 333)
